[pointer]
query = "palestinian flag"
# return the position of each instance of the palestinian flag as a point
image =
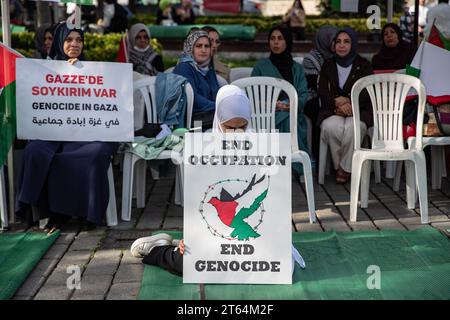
(438, 39)
(345, 5)
(7, 99)
(122, 54)
(432, 65)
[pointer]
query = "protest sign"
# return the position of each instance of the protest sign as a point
(88, 101)
(237, 210)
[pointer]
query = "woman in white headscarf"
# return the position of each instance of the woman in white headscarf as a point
(233, 114)
(141, 54)
(233, 111)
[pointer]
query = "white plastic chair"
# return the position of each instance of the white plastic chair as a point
(221, 80)
(147, 88)
(111, 210)
(240, 73)
(388, 93)
(263, 93)
(3, 207)
(438, 162)
(298, 59)
(169, 70)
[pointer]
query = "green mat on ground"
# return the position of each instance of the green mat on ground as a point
(413, 265)
(19, 254)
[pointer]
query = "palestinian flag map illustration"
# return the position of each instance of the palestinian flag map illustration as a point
(226, 207)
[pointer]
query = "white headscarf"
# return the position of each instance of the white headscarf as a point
(231, 102)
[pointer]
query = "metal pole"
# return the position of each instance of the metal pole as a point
(390, 10)
(6, 37)
(416, 23)
(6, 31)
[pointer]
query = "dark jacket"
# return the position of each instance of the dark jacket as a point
(329, 89)
(205, 87)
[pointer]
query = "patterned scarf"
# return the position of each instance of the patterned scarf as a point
(141, 59)
(188, 52)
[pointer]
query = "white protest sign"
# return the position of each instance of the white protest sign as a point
(237, 208)
(88, 101)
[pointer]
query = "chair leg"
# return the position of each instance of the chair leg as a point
(307, 173)
(127, 184)
(111, 210)
(398, 176)
(323, 157)
(421, 182)
(141, 175)
(365, 183)
(390, 169)
(3, 207)
(410, 185)
(436, 166)
(357, 163)
(377, 171)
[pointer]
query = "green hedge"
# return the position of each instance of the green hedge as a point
(263, 24)
(97, 47)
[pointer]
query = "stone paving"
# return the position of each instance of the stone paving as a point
(108, 271)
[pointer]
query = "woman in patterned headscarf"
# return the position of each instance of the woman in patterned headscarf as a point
(60, 179)
(195, 65)
(144, 59)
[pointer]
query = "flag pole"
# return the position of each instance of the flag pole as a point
(6, 39)
(390, 11)
(416, 23)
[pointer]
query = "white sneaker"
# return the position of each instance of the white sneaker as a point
(142, 246)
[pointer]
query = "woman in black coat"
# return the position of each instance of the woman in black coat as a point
(60, 179)
(337, 77)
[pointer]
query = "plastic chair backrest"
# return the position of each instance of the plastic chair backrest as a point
(263, 93)
(169, 70)
(221, 80)
(298, 59)
(240, 73)
(388, 93)
(146, 86)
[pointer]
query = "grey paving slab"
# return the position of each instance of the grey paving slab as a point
(308, 227)
(65, 238)
(104, 262)
(124, 291)
(389, 224)
(80, 258)
(44, 268)
(94, 286)
(31, 286)
(127, 258)
(129, 273)
(85, 243)
(53, 293)
(22, 298)
(173, 222)
(56, 251)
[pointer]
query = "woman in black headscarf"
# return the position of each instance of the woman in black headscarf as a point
(312, 63)
(62, 179)
(281, 65)
(43, 39)
(337, 77)
(394, 53)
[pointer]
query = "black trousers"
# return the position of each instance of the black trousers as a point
(167, 258)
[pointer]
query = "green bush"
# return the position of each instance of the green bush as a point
(97, 47)
(263, 24)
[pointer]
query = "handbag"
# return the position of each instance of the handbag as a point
(442, 116)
